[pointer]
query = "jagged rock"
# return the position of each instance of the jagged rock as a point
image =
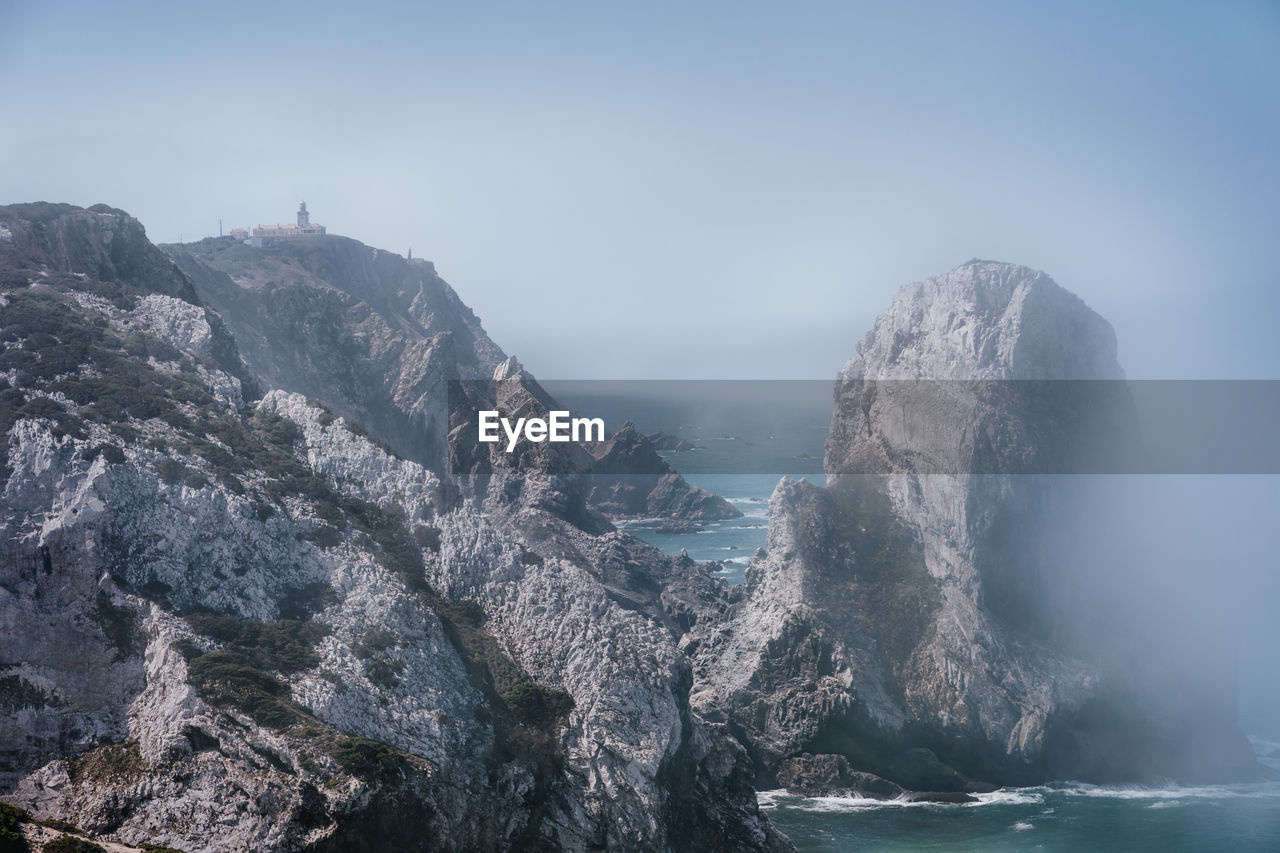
(386, 342)
(631, 480)
(377, 338)
(911, 605)
(920, 770)
(831, 776)
(242, 627)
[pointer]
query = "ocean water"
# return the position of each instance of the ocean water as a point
(1059, 817)
(1066, 816)
(730, 543)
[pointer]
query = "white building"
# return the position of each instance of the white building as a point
(304, 228)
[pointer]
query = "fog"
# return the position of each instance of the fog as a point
(1155, 553)
(668, 190)
(729, 190)
(1179, 574)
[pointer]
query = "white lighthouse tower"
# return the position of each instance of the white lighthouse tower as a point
(304, 218)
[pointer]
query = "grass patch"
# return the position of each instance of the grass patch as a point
(109, 761)
(376, 639)
(283, 646)
(11, 838)
(71, 844)
(229, 678)
(109, 452)
(240, 674)
(536, 705)
(383, 672)
(361, 756)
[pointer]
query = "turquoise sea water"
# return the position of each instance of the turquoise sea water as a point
(1061, 817)
(731, 542)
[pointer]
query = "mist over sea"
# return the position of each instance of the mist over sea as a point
(1063, 816)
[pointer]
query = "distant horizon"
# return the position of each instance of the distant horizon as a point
(533, 367)
(725, 190)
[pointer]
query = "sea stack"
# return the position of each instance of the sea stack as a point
(917, 616)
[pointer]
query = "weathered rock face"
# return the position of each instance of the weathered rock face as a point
(911, 605)
(237, 625)
(631, 479)
(376, 337)
(379, 340)
(103, 244)
(831, 776)
(98, 244)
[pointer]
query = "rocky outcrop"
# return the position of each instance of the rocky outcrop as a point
(385, 342)
(831, 776)
(630, 480)
(237, 625)
(108, 252)
(916, 618)
(98, 244)
(377, 338)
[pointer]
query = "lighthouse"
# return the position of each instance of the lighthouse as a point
(304, 218)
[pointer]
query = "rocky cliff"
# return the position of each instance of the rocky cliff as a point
(384, 342)
(233, 621)
(917, 618)
(632, 480)
(376, 337)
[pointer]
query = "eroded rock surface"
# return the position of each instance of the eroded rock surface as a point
(918, 619)
(233, 621)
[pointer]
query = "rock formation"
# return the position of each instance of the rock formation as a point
(233, 621)
(374, 336)
(632, 480)
(383, 342)
(913, 617)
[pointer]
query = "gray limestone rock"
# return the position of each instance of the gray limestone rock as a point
(913, 605)
(235, 626)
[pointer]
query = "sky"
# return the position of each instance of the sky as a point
(656, 190)
(708, 189)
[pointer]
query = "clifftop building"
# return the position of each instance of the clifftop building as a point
(304, 228)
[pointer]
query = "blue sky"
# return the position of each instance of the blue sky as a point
(710, 189)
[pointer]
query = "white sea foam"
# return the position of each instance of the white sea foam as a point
(1004, 796)
(1010, 797)
(1163, 797)
(639, 522)
(1022, 826)
(769, 799)
(1260, 790)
